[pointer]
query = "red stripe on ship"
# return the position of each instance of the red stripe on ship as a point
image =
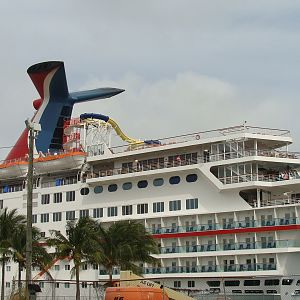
(226, 231)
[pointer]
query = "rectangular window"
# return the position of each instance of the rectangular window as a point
(112, 211)
(70, 215)
(83, 213)
(70, 196)
(191, 283)
(56, 267)
(174, 205)
(34, 218)
(84, 284)
(126, 210)
(8, 268)
(192, 203)
(57, 198)
(42, 284)
(56, 217)
(158, 207)
(142, 208)
(67, 285)
(7, 284)
(97, 213)
(177, 284)
(1, 204)
(57, 285)
(67, 267)
(45, 199)
(44, 218)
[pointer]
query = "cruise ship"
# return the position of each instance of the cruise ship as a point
(223, 204)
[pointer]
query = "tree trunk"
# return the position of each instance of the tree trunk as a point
(3, 277)
(19, 280)
(77, 282)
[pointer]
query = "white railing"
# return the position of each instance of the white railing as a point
(204, 135)
(276, 202)
(258, 177)
(141, 168)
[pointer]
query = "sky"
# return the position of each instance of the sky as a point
(185, 65)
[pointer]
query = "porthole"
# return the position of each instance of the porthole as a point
(127, 186)
(98, 189)
(112, 187)
(158, 181)
(191, 177)
(84, 191)
(142, 184)
(174, 180)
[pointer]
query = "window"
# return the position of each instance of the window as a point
(84, 191)
(70, 215)
(57, 285)
(67, 285)
(192, 203)
(127, 186)
(174, 205)
(95, 267)
(158, 207)
(84, 284)
(191, 283)
(237, 292)
(42, 285)
(174, 180)
(232, 283)
(70, 196)
(57, 217)
(112, 211)
(43, 234)
(7, 284)
(84, 267)
(97, 213)
(57, 198)
(1, 204)
(158, 182)
(287, 281)
(56, 268)
(126, 210)
(251, 282)
(213, 283)
(67, 267)
(270, 282)
(254, 291)
(8, 268)
(112, 187)
(83, 213)
(34, 218)
(142, 184)
(177, 284)
(44, 218)
(142, 208)
(98, 189)
(45, 199)
(191, 177)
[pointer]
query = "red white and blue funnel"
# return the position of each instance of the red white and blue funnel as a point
(54, 107)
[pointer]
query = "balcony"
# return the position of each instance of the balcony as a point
(225, 226)
(210, 268)
(230, 247)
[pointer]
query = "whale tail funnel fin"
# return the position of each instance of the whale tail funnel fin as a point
(49, 79)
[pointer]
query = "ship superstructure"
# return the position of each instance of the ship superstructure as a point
(222, 204)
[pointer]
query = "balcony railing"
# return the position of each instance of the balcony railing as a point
(230, 247)
(257, 177)
(224, 226)
(205, 135)
(210, 268)
(142, 168)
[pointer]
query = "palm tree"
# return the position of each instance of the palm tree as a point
(9, 222)
(40, 256)
(124, 244)
(78, 245)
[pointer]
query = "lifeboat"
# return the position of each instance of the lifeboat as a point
(59, 161)
(45, 163)
(13, 168)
